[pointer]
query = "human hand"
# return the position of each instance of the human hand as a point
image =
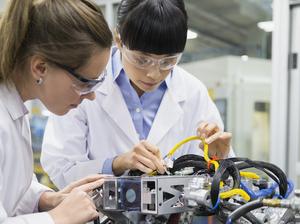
(50, 200)
(218, 142)
(144, 157)
(73, 204)
(76, 208)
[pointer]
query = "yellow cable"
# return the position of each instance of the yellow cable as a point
(233, 192)
(250, 175)
(206, 157)
(205, 149)
(174, 149)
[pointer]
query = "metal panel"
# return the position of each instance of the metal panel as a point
(285, 116)
(294, 99)
(279, 104)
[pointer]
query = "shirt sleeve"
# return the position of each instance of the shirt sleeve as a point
(107, 166)
(30, 201)
(34, 218)
(65, 154)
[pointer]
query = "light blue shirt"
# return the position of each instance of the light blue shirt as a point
(142, 109)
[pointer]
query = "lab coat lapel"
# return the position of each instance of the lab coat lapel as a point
(167, 115)
(114, 105)
(116, 109)
(170, 110)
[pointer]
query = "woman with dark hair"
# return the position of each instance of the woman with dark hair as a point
(146, 105)
(55, 51)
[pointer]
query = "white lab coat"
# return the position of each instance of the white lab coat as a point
(19, 189)
(78, 143)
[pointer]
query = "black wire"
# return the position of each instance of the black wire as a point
(270, 169)
(244, 209)
(246, 165)
(226, 167)
(189, 157)
(97, 221)
(231, 207)
(191, 160)
(276, 173)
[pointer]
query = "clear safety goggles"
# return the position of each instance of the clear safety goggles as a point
(146, 62)
(84, 85)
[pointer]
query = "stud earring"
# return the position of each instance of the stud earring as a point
(39, 81)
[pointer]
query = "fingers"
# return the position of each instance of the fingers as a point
(84, 200)
(143, 168)
(90, 186)
(153, 154)
(213, 137)
(226, 135)
(147, 162)
(219, 144)
(226, 138)
(89, 179)
(206, 129)
(155, 150)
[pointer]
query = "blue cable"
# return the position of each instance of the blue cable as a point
(261, 193)
(290, 188)
(229, 221)
(249, 191)
(267, 192)
(288, 192)
(216, 205)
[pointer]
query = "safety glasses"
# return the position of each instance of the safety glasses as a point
(84, 85)
(146, 62)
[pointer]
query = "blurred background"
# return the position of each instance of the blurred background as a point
(229, 49)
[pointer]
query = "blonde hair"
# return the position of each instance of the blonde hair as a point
(62, 31)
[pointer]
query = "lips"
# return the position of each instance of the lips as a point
(149, 84)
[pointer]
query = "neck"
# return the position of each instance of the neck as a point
(26, 89)
(137, 89)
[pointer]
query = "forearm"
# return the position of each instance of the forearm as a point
(49, 200)
(119, 165)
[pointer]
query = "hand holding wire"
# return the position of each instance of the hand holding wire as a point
(218, 141)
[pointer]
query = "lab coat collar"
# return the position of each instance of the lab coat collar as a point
(12, 101)
(106, 86)
(117, 65)
(176, 85)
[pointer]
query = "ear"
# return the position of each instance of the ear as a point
(38, 67)
(117, 38)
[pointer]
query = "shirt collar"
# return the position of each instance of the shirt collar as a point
(12, 101)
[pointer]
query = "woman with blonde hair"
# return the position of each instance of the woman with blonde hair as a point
(55, 51)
